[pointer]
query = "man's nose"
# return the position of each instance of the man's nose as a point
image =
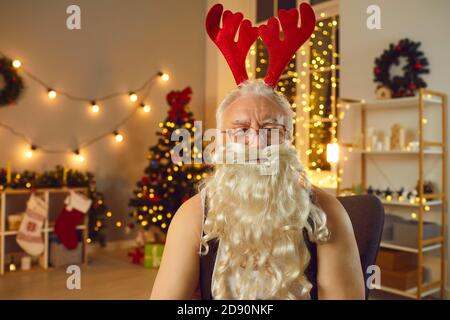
(257, 138)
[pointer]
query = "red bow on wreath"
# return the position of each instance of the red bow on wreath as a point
(178, 101)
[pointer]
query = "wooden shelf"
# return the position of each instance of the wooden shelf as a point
(34, 268)
(390, 104)
(399, 152)
(51, 229)
(52, 190)
(411, 205)
(48, 226)
(433, 287)
(417, 106)
(388, 245)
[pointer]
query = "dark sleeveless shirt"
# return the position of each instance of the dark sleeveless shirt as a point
(207, 264)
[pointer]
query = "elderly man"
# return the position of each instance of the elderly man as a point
(258, 229)
(278, 237)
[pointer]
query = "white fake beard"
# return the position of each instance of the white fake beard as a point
(259, 221)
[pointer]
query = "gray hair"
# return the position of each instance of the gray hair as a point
(259, 88)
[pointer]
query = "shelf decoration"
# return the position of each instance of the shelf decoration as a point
(428, 187)
(62, 177)
(407, 84)
(12, 266)
(25, 263)
(76, 205)
(29, 237)
(402, 195)
(383, 93)
(397, 137)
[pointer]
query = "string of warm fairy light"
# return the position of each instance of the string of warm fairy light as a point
(309, 79)
(53, 93)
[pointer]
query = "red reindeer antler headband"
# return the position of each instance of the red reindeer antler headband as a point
(280, 50)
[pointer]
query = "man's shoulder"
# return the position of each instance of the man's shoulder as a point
(322, 195)
(329, 203)
(190, 210)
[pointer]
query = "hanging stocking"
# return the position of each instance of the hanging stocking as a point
(29, 236)
(76, 206)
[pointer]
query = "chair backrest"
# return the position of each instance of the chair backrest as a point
(366, 213)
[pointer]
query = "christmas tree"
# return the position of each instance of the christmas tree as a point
(168, 180)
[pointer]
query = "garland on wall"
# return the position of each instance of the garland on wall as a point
(411, 80)
(13, 84)
(59, 178)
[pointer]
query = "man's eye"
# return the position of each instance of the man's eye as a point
(241, 131)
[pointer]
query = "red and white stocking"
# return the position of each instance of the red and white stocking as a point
(76, 206)
(29, 236)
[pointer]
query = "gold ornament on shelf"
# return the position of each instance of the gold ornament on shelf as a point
(383, 93)
(397, 137)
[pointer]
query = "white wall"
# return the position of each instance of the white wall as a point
(120, 45)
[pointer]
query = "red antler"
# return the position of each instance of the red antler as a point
(281, 51)
(234, 52)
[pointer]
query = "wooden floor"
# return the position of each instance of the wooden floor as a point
(110, 275)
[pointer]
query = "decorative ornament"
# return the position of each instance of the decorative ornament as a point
(428, 187)
(397, 137)
(281, 46)
(383, 93)
(12, 266)
(416, 65)
(11, 84)
(178, 101)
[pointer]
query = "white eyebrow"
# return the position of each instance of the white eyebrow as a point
(272, 121)
(241, 121)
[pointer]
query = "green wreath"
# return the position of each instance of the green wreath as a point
(11, 84)
(417, 63)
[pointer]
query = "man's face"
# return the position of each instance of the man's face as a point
(249, 114)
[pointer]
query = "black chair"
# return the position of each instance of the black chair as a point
(366, 213)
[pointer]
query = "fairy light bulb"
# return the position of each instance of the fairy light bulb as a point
(78, 155)
(29, 153)
(165, 77)
(16, 63)
(94, 107)
(118, 136)
(133, 97)
(146, 107)
(51, 93)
